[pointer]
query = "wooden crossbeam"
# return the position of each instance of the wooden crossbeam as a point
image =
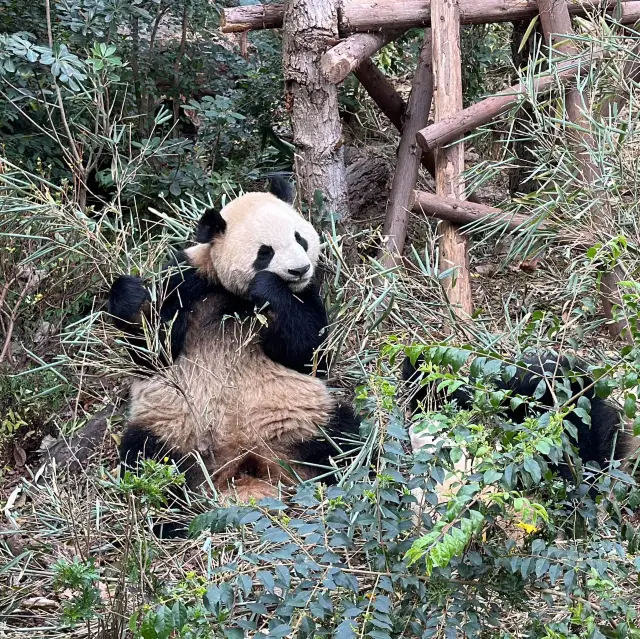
(454, 126)
(338, 62)
(375, 15)
(463, 212)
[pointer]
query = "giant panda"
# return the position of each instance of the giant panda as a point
(241, 319)
(604, 439)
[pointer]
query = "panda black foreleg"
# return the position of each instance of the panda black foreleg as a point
(129, 301)
(295, 324)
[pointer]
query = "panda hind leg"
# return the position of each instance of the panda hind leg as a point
(139, 443)
(343, 423)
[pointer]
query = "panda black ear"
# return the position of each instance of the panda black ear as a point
(281, 189)
(210, 225)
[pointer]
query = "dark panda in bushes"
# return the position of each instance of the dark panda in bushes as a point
(596, 442)
(236, 388)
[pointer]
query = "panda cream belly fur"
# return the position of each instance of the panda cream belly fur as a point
(224, 397)
(231, 388)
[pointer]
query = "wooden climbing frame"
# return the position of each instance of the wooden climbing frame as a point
(360, 28)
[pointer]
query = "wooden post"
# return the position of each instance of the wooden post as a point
(339, 62)
(447, 71)
(556, 24)
(408, 162)
(313, 103)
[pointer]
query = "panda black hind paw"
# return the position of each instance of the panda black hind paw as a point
(127, 296)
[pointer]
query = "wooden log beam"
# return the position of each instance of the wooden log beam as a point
(447, 79)
(374, 15)
(408, 162)
(453, 127)
(337, 63)
(382, 92)
(462, 212)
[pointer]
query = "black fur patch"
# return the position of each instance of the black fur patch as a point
(264, 257)
(140, 443)
(300, 240)
(281, 189)
(126, 298)
(210, 225)
(343, 424)
(594, 442)
(295, 329)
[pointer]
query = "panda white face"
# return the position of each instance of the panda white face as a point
(261, 233)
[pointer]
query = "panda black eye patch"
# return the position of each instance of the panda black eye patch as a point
(300, 240)
(265, 254)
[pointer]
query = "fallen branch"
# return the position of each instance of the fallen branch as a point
(361, 16)
(453, 127)
(337, 63)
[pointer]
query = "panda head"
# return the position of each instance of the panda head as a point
(255, 232)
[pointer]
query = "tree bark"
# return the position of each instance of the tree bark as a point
(313, 103)
(373, 15)
(447, 71)
(339, 62)
(408, 161)
(452, 127)
(522, 54)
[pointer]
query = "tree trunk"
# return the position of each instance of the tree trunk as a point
(309, 27)
(447, 71)
(522, 55)
(556, 24)
(409, 154)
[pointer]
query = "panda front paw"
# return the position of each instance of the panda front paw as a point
(127, 296)
(267, 287)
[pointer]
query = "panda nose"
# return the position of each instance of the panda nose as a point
(299, 272)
